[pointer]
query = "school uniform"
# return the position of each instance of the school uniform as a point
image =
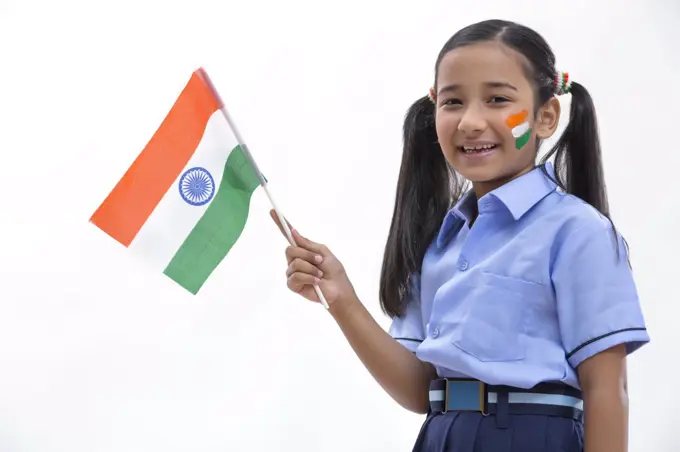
(513, 305)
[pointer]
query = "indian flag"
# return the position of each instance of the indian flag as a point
(521, 130)
(184, 201)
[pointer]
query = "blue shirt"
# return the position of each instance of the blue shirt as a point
(527, 293)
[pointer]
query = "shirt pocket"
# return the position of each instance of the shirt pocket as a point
(495, 314)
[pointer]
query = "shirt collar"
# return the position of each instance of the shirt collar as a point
(518, 196)
(521, 194)
(456, 217)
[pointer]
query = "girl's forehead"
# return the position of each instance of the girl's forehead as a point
(476, 64)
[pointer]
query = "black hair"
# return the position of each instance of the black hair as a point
(427, 186)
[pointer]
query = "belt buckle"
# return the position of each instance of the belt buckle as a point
(478, 405)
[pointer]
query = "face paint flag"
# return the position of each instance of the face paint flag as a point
(184, 201)
(520, 128)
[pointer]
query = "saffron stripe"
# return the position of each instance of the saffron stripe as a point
(151, 175)
(518, 118)
(219, 228)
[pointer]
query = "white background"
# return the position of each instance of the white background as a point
(99, 354)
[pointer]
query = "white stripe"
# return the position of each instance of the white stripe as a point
(520, 129)
(437, 395)
(521, 397)
(173, 219)
(540, 399)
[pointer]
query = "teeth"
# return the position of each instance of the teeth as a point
(478, 148)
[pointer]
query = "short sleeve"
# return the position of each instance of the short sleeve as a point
(597, 300)
(408, 330)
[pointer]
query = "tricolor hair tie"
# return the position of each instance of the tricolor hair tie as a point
(562, 83)
(432, 95)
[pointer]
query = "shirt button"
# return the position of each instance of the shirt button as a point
(435, 332)
(464, 265)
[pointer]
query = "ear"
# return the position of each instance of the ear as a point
(547, 118)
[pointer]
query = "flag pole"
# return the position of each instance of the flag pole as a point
(203, 75)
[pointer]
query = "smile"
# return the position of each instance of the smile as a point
(478, 149)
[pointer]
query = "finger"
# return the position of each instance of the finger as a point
(309, 245)
(297, 238)
(297, 281)
(295, 252)
(277, 220)
(298, 265)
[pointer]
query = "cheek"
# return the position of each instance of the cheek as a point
(519, 129)
(447, 126)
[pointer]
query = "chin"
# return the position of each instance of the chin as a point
(479, 175)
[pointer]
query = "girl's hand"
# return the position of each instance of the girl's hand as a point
(311, 263)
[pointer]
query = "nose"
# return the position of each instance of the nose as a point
(472, 121)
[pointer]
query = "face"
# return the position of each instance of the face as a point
(485, 114)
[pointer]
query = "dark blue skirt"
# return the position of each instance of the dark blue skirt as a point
(473, 432)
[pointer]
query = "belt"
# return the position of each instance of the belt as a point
(551, 399)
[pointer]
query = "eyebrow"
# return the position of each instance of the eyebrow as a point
(454, 87)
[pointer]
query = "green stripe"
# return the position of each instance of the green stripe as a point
(220, 226)
(524, 139)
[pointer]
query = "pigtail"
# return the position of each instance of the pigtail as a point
(578, 157)
(423, 196)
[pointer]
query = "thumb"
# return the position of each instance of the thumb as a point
(279, 223)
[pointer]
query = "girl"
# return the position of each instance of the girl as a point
(513, 303)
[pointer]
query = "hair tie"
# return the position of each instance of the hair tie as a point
(432, 95)
(562, 83)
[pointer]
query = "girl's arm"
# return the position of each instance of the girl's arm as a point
(605, 393)
(600, 322)
(401, 374)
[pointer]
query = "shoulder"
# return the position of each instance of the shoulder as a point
(577, 228)
(575, 218)
(584, 237)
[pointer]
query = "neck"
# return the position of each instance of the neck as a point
(482, 188)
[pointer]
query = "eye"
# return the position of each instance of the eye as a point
(498, 99)
(451, 102)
